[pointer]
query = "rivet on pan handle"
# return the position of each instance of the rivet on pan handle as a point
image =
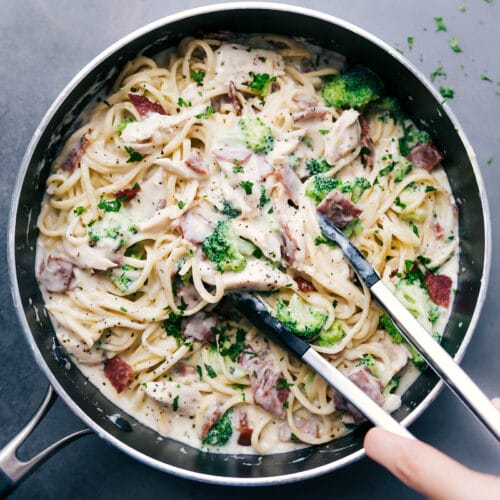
(12, 469)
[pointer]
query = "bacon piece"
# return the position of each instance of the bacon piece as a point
(194, 226)
(439, 288)
(234, 98)
(425, 156)
(237, 156)
(209, 421)
(309, 114)
(290, 182)
(127, 193)
(367, 146)
(245, 437)
(162, 203)
(304, 285)
(197, 163)
(305, 102)
(55, 274)
(309, 426)
(289, 245)
(75, 155)
(264, 379)
(118, 372)
(371, 386)
(338, 209)
(183, 369)
(438, 230)
(199, 327)
(144, 106)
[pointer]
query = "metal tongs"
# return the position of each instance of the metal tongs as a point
(437, 358)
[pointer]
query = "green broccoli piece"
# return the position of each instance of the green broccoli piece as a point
(391, 386)
(402, 169)
(261, 83)
(356, 187)
(221, 431)
(321, 186)
(354, 228)
(369, 361)
(386, 323)
(416, 358)
(331, 336)
(258, 135)
(354, 88)
(300, 317)
(317, 166)
(388, 107)
(226, 248)
(414, 296)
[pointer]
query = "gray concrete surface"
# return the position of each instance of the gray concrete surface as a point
(43, 43)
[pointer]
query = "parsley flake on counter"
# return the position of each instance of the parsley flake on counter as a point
(489, 161)
(410, 41)
(447, 92)
(453, 42)
(463, 8)
(438, 73)
(486, 78)
(440, 24)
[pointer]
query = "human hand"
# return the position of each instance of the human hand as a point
(427, 470)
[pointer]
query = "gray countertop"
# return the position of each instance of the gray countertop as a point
(43, 43)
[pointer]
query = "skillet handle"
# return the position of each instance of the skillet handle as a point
(12, 469)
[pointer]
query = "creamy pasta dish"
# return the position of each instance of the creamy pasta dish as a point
(199, 174)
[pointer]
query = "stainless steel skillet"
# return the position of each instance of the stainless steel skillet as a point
(325, 30)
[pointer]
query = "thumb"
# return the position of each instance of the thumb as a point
(427, 470)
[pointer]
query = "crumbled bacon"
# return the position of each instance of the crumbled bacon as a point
(144, 106)
(56, 274)
(312, 113)
(234, 98)
(289, 244)
(264, 378)
(245, 437)
(118, 372)
(209, 421)
(127, 193)
(75, 155)
(200, 327)
(425, 156)
(304, 285)
(367, 146)
(338, 209)
(370, 385)
(439, 288)
(290, 182)
(438, 230)
(197, 163)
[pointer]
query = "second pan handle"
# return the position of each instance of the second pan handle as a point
(12, 469)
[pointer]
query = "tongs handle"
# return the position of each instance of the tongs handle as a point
(438, 359)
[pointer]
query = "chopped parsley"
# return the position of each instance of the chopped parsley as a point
(229, 211)
(181, 204)
(447, 92)
(210, 371)
(175, 404)
(283, 384)
(209, 111)
(247, 186)
(233, 350)
(453, 42)
(264, 199)
(410, 41)
(261, 83)
(489, 161)
(79, 210)
(238, 169)
(172, 326)
(440, 24)
(197, 76)
(438, 73)
(321, 240)
(182, 103)
(110, 205)
(486, 78)
(134, 155)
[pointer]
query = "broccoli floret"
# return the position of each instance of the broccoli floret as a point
(385, 323)
(300, 317)
(221, 431)
(391, 386)
(416, 357)
(402, 169)
(321, 186)
(354, 228)
(317, 166)
(354, 88)
(261, 83)
(258, 135)
(356, 187)
(414, 296)
(331, 336)
(226, 248)
(388, 107)
(369, 361)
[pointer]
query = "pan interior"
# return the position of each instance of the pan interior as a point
(105, 417)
